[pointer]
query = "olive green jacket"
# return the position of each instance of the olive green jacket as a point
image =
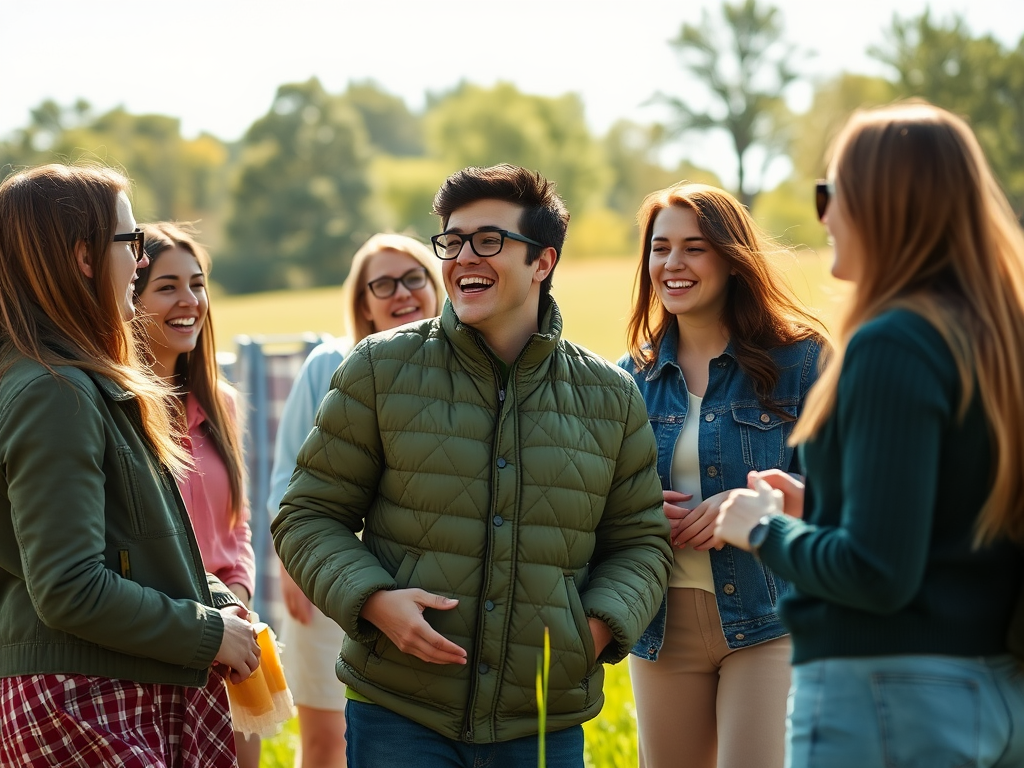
(536, 504)
(100, 573)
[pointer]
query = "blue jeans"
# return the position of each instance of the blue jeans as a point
(378, 738)
(906, 712)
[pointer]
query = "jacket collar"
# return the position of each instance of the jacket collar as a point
(472, 349)
(109, 388)
(667, 353)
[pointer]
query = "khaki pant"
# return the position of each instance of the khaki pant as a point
(703, 705)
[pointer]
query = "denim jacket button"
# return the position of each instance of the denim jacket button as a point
(712, 471)
(729, 589)
(740, 636)
(709, 417)
(765, 418)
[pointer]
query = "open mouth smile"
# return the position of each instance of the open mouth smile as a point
(675, 284)
(475, 284)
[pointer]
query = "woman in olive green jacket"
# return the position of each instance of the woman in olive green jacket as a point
(108, 623)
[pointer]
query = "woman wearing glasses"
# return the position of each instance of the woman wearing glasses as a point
(393, 281)
(108, 623)
(724, 358)
(907, 564)
(177, 332)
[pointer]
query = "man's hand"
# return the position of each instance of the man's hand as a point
(601, 633)
(299, 606)
(399, 615)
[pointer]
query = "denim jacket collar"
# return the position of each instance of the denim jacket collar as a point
(668, 353)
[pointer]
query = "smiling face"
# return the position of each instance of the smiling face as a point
(121, 260)
(403, 306)
(175, 304)
(497, 295)
(689, 277)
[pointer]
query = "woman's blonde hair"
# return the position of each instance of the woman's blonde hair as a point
(936, 235)
(760, 312)
(197, 372)
(50, 311)
(355, 285)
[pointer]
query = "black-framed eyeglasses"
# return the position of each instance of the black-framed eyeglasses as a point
(484, 242)
(385, 287)
(137, 240)
(824, 191)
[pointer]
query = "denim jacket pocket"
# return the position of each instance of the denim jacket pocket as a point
(763, 435)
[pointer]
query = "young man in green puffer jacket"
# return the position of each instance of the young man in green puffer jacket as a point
(505, 482)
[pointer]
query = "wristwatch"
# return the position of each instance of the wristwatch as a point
(759, 533)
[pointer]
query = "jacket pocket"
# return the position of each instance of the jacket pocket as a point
(763, 435)
(151, 508)
(133, 500)
(579, 620)
(403, 576)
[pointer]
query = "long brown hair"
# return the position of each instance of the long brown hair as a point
(936, 235)
(760, 312)
(197, 372)
(355, 285)
(50, 311)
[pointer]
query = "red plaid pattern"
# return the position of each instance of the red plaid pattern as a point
(76, 721)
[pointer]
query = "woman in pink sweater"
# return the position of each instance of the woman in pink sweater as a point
(171, 300)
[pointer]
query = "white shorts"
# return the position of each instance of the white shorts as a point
(308, 657)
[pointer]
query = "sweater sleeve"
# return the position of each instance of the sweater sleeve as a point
(896, 397)
(335, 481)
(243, 570)
(632, 557)
(297, 418)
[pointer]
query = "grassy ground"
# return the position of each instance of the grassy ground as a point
(595, 298)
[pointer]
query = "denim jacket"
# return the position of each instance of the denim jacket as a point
(736, 434)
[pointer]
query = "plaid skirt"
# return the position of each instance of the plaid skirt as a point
(75, 720)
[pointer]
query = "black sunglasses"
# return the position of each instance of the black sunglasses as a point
(385, 287)
(484, 242)
(824, 191)
(137, 240)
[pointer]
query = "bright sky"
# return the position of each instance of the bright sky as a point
(217, 63)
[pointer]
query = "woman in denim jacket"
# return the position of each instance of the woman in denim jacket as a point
(723, 356)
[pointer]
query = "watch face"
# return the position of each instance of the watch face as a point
(758, 534)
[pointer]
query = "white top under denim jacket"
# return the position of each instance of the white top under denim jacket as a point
(737, 434)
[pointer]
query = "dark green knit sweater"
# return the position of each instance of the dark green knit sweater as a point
(883, 563)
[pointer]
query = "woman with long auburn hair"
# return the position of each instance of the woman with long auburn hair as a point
(907, 565)
(176, 327)
(724, 357)
(393, 280)
(109, 626)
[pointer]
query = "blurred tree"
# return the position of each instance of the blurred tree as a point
(631, 151)
(479, 126)
(403, 193)
(746, 68)
(392, 128)
(834, 101)
(973, 76)
(299, 207)
(174, 177)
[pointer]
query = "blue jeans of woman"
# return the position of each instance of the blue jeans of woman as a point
(906, 712)
(378, 738)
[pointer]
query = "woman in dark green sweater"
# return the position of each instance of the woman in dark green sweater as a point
(906, 566)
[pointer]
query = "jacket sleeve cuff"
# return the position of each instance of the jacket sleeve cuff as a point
(222, 596)
(209, 643)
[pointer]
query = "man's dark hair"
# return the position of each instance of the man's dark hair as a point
(544, 218)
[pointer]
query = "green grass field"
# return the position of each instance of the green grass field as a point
(595, 298)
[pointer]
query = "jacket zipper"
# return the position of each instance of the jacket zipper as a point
(467, 727)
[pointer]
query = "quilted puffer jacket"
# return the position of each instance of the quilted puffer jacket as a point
(535, 504)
